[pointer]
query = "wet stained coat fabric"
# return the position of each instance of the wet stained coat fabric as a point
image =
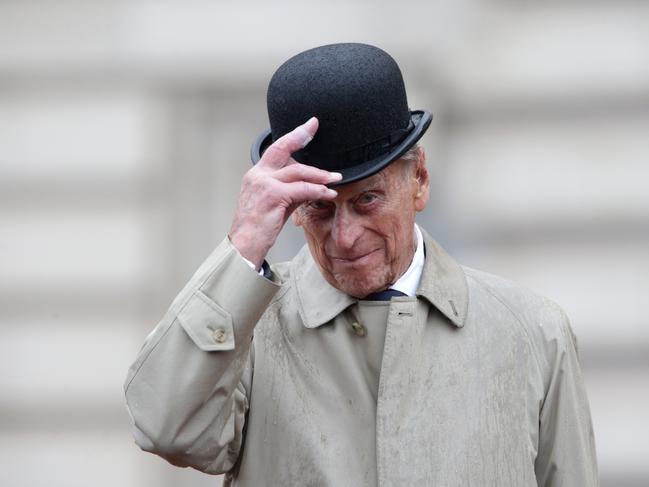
(475, 382)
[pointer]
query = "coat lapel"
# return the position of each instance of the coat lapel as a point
(443, 283)
(318, 301)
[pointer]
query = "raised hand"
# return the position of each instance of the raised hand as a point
(272, 189)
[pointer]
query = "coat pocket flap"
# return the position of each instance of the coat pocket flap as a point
(208, 325)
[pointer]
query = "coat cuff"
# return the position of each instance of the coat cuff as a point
(227, 301)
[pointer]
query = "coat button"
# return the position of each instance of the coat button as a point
(359, 329)
(219, 335)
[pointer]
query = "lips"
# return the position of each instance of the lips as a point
(354, 259)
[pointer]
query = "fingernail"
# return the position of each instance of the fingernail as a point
(332, 192)
(335, 176)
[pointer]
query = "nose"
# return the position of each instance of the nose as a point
(346, 229)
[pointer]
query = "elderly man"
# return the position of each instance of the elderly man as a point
(372, 358)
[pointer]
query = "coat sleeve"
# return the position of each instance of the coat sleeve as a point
(566, 455)
(188, 390)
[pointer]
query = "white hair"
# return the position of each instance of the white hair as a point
(412, 154)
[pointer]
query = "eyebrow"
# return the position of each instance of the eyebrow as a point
(374, 182)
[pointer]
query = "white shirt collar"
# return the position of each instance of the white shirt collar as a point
(409, 281)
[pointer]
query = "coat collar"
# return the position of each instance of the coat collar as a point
(443, 285)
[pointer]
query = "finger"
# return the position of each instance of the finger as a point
(302, 172)
(279, 153)
(300, 191)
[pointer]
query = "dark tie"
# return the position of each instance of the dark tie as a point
(384, 295)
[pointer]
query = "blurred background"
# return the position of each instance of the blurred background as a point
(125, 129)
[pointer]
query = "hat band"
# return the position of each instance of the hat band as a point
(360, 154)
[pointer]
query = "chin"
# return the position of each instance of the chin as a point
(359, 288)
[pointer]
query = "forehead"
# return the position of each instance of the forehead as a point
(386, 179)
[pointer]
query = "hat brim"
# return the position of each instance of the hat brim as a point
(421, 120)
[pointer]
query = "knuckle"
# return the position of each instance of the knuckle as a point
(278, 147)
(273, 155)
(273, 189)
(250, 178)
(270, 152)
(301, 170)
(252, 174)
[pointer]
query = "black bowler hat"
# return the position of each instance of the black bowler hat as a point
(357, 93)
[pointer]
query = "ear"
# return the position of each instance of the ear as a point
(422, 181)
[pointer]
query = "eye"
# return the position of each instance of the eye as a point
(318, 205)
(366, 198)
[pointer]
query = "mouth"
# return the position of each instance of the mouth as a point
(355, 260)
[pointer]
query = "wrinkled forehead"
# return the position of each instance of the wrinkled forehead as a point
(388, 178)
(376, 181)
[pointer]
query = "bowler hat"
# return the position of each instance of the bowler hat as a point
(357, 93)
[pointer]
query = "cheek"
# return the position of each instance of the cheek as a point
(393, 234)
(399, 243)
(316, 241)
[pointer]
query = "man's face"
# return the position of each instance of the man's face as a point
(363, 240)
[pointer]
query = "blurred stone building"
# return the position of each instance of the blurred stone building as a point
(125, 129)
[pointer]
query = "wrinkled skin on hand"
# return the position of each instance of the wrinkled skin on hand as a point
(272, 189)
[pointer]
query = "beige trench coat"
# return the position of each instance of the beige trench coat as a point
(479, 383)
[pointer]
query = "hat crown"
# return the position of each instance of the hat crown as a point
(355, 90)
